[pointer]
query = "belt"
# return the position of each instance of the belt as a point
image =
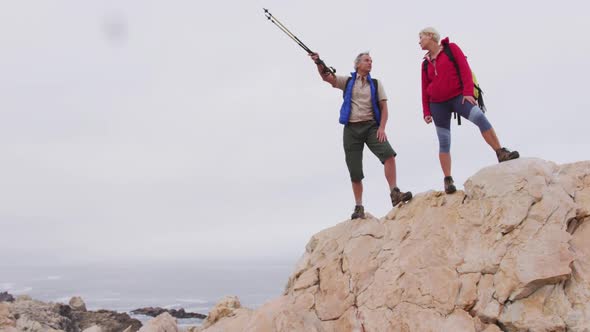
(362, 122)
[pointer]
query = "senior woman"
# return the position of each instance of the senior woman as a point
(447, 86)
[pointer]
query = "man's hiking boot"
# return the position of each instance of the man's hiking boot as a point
(398, 196)
(504, 154)
(450, 185)
(359, 212)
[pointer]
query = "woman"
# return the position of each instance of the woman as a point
(447, 86)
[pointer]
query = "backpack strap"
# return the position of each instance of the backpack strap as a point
(449, 54)
(345, 85)
(375, 82)
(480, 98)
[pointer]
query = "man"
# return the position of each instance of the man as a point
(364, 116)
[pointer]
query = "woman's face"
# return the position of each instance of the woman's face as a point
(425, 40)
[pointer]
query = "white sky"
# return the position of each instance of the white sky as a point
(196, 130)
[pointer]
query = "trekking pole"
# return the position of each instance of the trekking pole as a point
(283, 28)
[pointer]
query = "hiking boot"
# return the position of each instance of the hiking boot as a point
(504, 154)
(359, 212)
(398, 196)
(449, 185)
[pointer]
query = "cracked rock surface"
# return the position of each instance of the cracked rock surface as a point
(509, 253)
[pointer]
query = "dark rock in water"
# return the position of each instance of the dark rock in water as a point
(153, 312)
(109, 321)
(5, 297)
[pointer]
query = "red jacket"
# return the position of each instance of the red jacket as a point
(441, 82)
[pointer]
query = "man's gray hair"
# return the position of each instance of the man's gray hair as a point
(358, 59)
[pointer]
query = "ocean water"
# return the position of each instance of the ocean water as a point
(123, 287)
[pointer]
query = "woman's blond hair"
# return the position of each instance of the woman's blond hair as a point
(430, 32)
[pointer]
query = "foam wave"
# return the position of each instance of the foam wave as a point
(63, 299)
(21, 291)
(48, 278)
(6, 286)
(172, 306)
(198, 301)
(107, 299)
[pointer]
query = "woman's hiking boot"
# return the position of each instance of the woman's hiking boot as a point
(397, 196)
(504, 154)
(449, 185)
(359, 212)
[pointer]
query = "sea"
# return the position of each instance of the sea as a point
(123, 287)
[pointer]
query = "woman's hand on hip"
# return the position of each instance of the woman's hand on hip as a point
(470, 99)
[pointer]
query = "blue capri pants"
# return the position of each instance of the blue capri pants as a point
(441, 115)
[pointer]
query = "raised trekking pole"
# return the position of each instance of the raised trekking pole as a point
(280, 25)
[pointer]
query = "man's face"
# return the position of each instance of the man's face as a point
(365, 64)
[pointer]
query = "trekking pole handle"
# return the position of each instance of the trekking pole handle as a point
(325, 67)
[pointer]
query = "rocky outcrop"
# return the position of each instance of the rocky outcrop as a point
(94, 328)
(5, 297)
(163, 323)
(77, 304)
(229, 306)
(7, 319)
(156, 311)
(510, 253)
(108, 321)
(35, 316)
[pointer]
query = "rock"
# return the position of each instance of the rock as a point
(532, 313)
(129, 329)
(76, 303)
(163, 323)
(510, 253)
(109, 321)
(5, 297)
(153, 312)
(23, 298)
(193, 329)
(30, 315)
(94, 328)
(7, 319)
(39, 316)
(225, 308)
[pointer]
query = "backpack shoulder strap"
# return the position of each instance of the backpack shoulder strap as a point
(376, 83)
(449, 53)
(425, 66)
(345, 86)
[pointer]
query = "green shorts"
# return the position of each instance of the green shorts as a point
(355, 136)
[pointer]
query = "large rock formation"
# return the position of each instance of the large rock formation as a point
(30, 315)
(510, 253)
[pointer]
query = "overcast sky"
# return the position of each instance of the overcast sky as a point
(142, 130)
